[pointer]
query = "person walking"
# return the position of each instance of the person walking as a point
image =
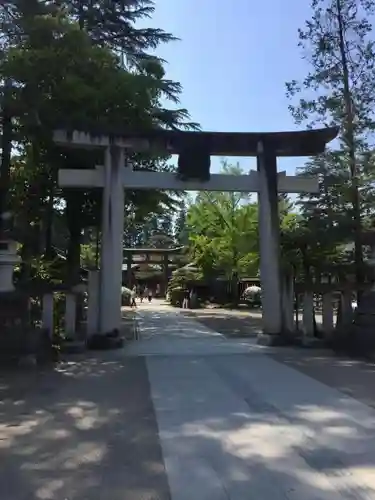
(192, 297)
(185, 301)
(149, 294)
(141, 294)
(133, 296)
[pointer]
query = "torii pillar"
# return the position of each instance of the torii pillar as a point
(112, 241)
(269, 238)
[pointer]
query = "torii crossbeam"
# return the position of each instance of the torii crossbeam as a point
(117, 175)
(144, 180)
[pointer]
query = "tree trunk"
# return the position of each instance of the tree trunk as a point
(308, 279)
(234, 273)
(81, 16)
(97, 245)
(26, 255)
(6, 155)
(48, 252)
(350, 140)
(73, 209)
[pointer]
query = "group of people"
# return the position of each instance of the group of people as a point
(141, 293)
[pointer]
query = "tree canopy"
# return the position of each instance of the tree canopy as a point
(223, 231)
(70, 63)
(337, 43)
(88, 62)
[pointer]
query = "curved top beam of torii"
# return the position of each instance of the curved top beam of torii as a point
(267, 145)
(293, 143)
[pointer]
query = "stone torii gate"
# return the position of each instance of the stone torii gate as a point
(160, 256)
(117, 175)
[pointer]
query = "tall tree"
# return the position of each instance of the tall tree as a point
(59, 75)
(285, 205)
(223, 231)
(338, 44)
(113, 24)
(166, 223)
(181, 233)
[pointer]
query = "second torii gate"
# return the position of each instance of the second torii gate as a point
(117, 175)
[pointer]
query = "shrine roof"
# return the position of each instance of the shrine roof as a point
(293, 143)
(147, 265)
(141, 250)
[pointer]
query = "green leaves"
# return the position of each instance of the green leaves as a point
(337, 42)
(320, 44)
(181, 233)
(82, 63)
(223, 231)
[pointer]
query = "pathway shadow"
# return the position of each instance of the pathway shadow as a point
(257, 451)
(352, 377)
(230, 325)
(85, 430)
(256, 471)
(171, 325)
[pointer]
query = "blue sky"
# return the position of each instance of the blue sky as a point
(233, 61)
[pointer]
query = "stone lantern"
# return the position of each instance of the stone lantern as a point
(8, 254)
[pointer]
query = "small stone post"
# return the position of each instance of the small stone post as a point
(93, 303)
(48, 313)
(327, 305)
(308, 318)
(70, 315)
(288, 303)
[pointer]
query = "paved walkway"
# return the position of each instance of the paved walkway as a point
(166, 332)
(182, 413)
(236, 424)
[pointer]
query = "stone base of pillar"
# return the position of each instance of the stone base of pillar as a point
(313, 342)
(105, 341)
(72, 347)
(270, 340)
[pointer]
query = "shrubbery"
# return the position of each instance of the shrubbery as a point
(252, 295)
(181, 280)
